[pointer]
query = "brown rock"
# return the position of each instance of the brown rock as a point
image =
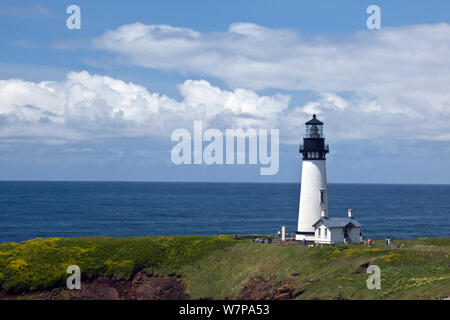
(285, 288)
(283, 296)
(258, 289)
(362, 268)
(108, 293)
(146, 288)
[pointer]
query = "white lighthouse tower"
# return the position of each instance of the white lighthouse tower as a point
(313, 195)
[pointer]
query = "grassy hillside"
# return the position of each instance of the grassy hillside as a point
(419, 271)
(220, 267)
(42, 263)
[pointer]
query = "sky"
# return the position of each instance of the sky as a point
(102, 102)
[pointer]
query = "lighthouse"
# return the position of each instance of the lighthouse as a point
(313, 195)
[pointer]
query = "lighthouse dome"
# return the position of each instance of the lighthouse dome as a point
(314, 120)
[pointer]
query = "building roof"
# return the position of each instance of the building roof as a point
(338, 222)
(314, 121)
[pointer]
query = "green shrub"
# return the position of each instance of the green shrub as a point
(120, 270)
(42, 263)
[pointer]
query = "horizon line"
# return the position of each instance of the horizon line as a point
(228, 182)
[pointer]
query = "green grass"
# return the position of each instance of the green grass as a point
(220, 267)
(420, 271)
(42, 263)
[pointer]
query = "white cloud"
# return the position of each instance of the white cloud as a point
(89, 106)
(25, 10)
(78, 150)
(394, 76)
(24, 43)
(387, 84)
(249, 55)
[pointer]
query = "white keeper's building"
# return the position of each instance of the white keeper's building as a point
(314, 223)
(337, 230)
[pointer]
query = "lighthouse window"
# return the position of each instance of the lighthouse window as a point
(322, 196)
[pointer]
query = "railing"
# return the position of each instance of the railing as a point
(326, 147)
(308, 135)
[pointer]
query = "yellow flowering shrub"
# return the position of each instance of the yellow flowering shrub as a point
(42, 263)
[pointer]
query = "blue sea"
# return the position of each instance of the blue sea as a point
(77, 209)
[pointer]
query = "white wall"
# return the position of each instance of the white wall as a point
(322, 238)
(314, 178)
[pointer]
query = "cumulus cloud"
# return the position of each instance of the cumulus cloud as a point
(249, 55)
(89, 106)
(394, 76)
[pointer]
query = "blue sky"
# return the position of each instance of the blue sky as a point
(65, 95)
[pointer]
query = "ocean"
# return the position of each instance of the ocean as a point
(123, 209)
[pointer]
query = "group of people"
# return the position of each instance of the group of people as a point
(312, 245)
(388, 242)
(369, 242)
(263, 240)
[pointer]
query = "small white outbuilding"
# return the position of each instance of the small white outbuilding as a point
(337, 230)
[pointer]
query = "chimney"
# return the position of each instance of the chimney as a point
(350, 213)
